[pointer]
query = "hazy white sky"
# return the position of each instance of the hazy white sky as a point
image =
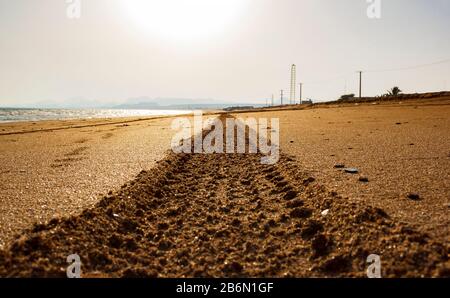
(235, 52)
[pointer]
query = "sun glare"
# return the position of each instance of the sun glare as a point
(183, 19)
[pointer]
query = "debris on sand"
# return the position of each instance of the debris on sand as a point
(339, 166)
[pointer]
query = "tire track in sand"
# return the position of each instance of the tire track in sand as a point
(224, 215)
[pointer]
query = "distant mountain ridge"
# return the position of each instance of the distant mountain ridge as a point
(147, 103)
(138, 103)
(196, 106)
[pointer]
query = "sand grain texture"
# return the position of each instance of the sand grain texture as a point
(226, 215)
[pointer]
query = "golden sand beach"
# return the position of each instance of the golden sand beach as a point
(304, 216)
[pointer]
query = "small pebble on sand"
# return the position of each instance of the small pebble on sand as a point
(363, 179)
(414, 196)
(351, 170)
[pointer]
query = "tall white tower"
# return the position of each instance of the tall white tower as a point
(293, 83)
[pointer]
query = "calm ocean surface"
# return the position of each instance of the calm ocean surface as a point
(13, 115)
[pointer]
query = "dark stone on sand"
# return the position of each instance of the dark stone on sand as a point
(339, 166)
(363, 179)
(414, 196)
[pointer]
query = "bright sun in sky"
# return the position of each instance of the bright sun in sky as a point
(183, 19)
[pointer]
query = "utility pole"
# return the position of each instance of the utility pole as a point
(360, 84)
(281, 99)
(272, 100)
(301, 90)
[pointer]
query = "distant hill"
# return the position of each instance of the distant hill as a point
(139, 103)
(147, 103)
(139, 106)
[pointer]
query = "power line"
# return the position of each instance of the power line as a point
(346, 75)
(342, 76)
(410, 67)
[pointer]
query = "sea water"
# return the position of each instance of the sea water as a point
(13, 114)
